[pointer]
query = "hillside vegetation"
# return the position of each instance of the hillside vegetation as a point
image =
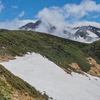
(61, 51)
(12, 87)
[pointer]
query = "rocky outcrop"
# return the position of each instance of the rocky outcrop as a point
(6, 58)
(76, 68)
(94, 70)
(95, 67)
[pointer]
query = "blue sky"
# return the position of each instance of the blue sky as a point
(13, 8)
(19, 11)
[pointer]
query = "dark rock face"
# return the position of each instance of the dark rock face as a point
(95, 30)
(30, 26)
(34, 26)
(83, 32)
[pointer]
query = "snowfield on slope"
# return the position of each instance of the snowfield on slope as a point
(47, 77)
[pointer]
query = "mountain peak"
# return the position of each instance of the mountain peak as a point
(30, 25)
(85, 34)
(88, 33)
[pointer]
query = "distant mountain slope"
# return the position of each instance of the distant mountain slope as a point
(61, 51)
(34, 26)
(30, 26)
(86, 34)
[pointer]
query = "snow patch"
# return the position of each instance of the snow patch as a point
(92, 34)
(46, 76)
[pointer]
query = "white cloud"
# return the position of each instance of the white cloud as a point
(1, 6)
(14, 7)
(52, 15)
(21, 14)
(14, 24)
(69, 16)
(70, 13)
(83, 23)
(81, 10)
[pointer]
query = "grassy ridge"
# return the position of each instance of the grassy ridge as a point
(61, 51)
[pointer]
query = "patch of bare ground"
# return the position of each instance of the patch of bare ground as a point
(95, 67)
(9, 92)
(76, 68)
(66, 70)
(6, 58)
(20, 96)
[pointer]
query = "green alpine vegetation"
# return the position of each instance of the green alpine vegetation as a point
(61, 51)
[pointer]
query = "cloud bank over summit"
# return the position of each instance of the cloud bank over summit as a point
(87, 12)
(71, 14)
